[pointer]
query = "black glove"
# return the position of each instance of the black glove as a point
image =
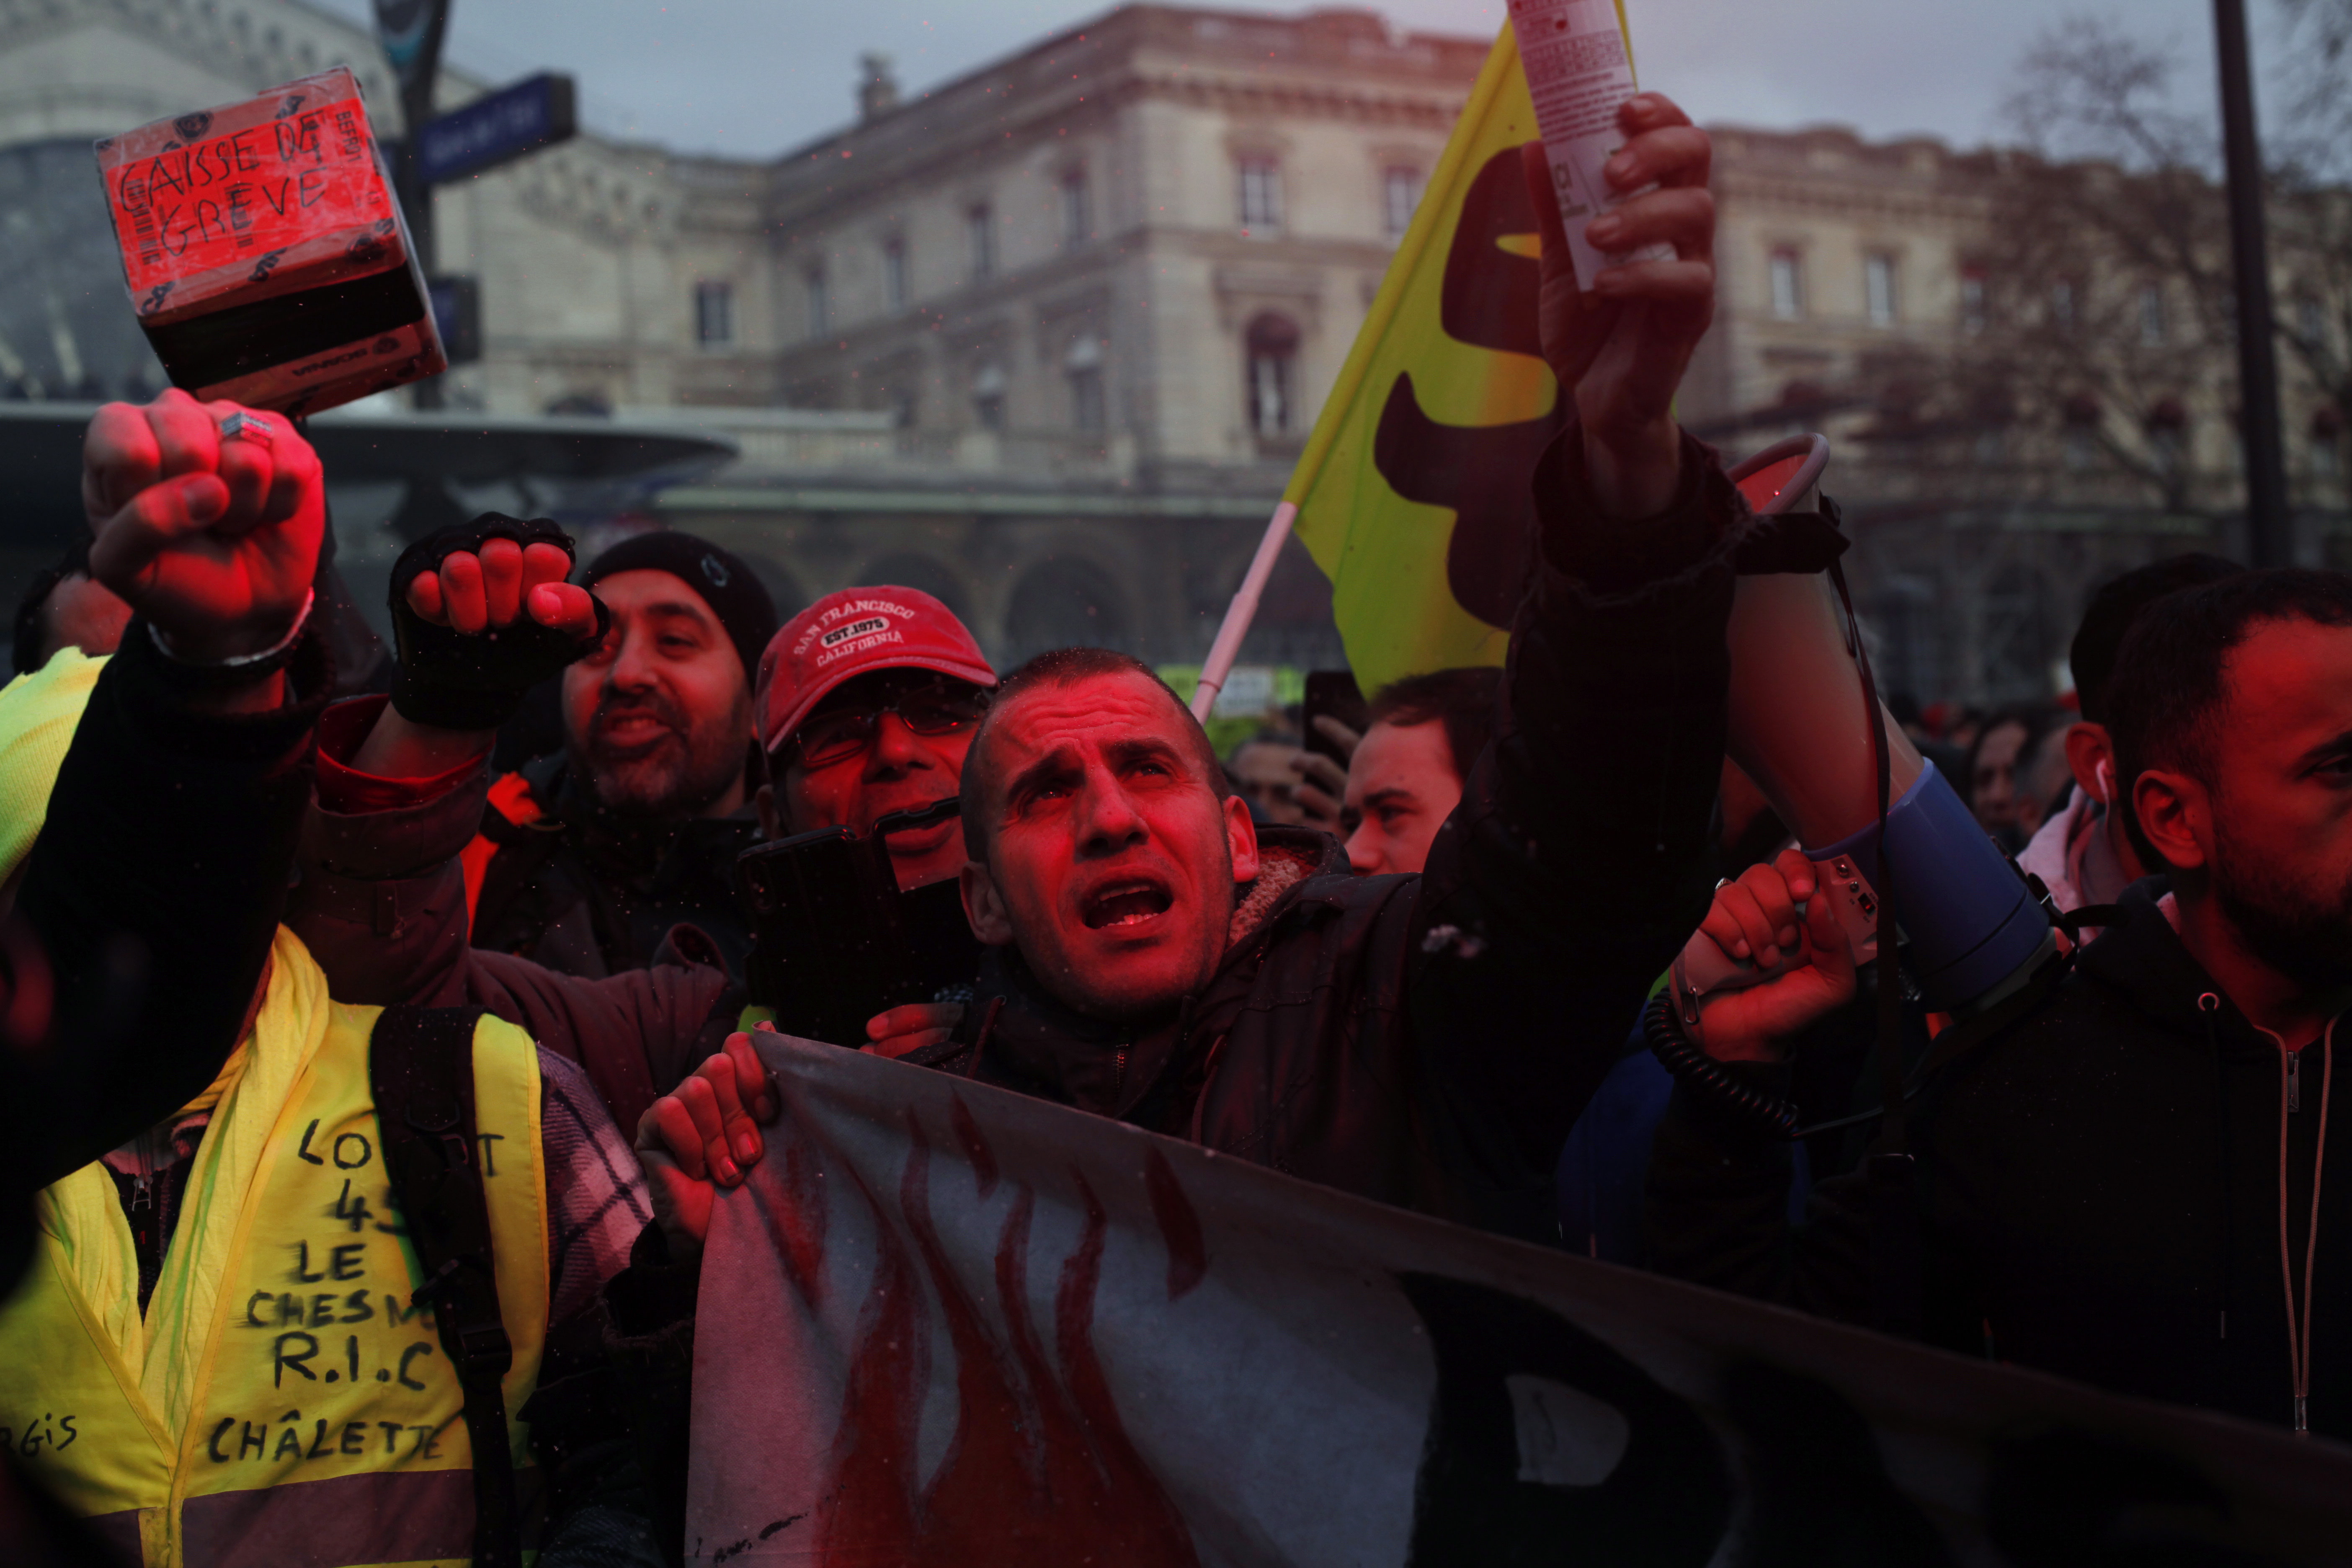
(458, 682)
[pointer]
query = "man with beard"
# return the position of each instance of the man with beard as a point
(588, 859)
(2124, 1184)
(875, 720)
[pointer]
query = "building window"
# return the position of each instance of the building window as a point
(1787, 274)
(1082, 367)
(2327, 444)
(1400, 194)
(819, 313)
(2167, 435)
(1260, 192)
(714, 313)
(2061, 305)
(979, 240)
(2079, 440)
(894, 272)
(987, 395)
(1972, 299)
(2151, 317)
(2311, 325)
(1077, 210)
(1878, 288)
(901, 402)
(1272, 353)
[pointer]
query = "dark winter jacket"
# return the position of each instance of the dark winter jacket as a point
(381, 904)
(154, 891)
(2100, 1194)
(1427, 1041)
(1420, 1040)
(572, 887)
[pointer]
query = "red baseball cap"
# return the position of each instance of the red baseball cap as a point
(845, 635)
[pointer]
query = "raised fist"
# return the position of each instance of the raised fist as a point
(213, 537)
(482, 614)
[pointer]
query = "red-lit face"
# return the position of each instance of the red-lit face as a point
(1112, 860)
(658, 718)
(898, 770)
(2274, 830)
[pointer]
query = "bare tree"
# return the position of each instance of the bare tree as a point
(2314, 210)
(2095, 363)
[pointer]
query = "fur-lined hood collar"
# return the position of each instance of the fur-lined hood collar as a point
(1287, 856)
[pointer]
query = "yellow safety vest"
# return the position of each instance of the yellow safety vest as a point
(282, 1400)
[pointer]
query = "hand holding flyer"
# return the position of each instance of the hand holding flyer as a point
(1579, 75)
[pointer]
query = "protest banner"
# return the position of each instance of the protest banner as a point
(943, 1323)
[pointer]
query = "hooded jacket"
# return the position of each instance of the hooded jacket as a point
(2118, 1188)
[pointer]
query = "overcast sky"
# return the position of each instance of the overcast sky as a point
(753, 77)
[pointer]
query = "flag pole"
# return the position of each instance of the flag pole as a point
(1241, 612)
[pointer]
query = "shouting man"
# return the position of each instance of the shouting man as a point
(1422, 1040)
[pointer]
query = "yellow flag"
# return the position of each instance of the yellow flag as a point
(1412, 492)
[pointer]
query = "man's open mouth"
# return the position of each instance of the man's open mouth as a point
(1125, 904)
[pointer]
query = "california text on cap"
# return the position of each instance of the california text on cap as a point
(846, 634)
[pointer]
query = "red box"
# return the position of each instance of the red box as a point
(266, 257)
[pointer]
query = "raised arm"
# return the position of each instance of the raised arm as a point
(155, 886)
(381, 902)
(1574, 867)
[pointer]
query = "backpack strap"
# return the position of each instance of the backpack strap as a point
(421, 1066)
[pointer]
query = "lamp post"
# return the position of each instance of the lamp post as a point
(2270, 526)
(411, 32)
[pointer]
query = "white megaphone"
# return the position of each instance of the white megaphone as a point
(1799, 728)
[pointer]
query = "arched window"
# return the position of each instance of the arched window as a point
(1082, 367)
(1064, 601)
(988, 394)
(1271, 353)
(2168, 434)
(920, 572)
(2080, 417)
(2013, 635)
(2326, 442)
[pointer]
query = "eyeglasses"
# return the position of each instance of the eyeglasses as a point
(839, 734)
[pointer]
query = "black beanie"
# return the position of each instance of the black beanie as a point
(721, 580)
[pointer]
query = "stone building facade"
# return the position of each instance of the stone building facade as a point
(1084, 303)
(1046, 339)
(1862, 285)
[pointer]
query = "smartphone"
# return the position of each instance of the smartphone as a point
(1332, 691)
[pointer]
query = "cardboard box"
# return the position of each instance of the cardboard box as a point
(265, 255)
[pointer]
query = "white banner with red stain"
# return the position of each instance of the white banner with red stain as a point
(944, 1324)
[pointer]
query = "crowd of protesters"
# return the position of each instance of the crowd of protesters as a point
(244, 896)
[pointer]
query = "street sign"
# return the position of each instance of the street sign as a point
(533, 113)
(458, 311)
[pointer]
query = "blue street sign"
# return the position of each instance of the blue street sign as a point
(533, 113)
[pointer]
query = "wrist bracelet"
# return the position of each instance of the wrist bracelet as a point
(243, 666)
